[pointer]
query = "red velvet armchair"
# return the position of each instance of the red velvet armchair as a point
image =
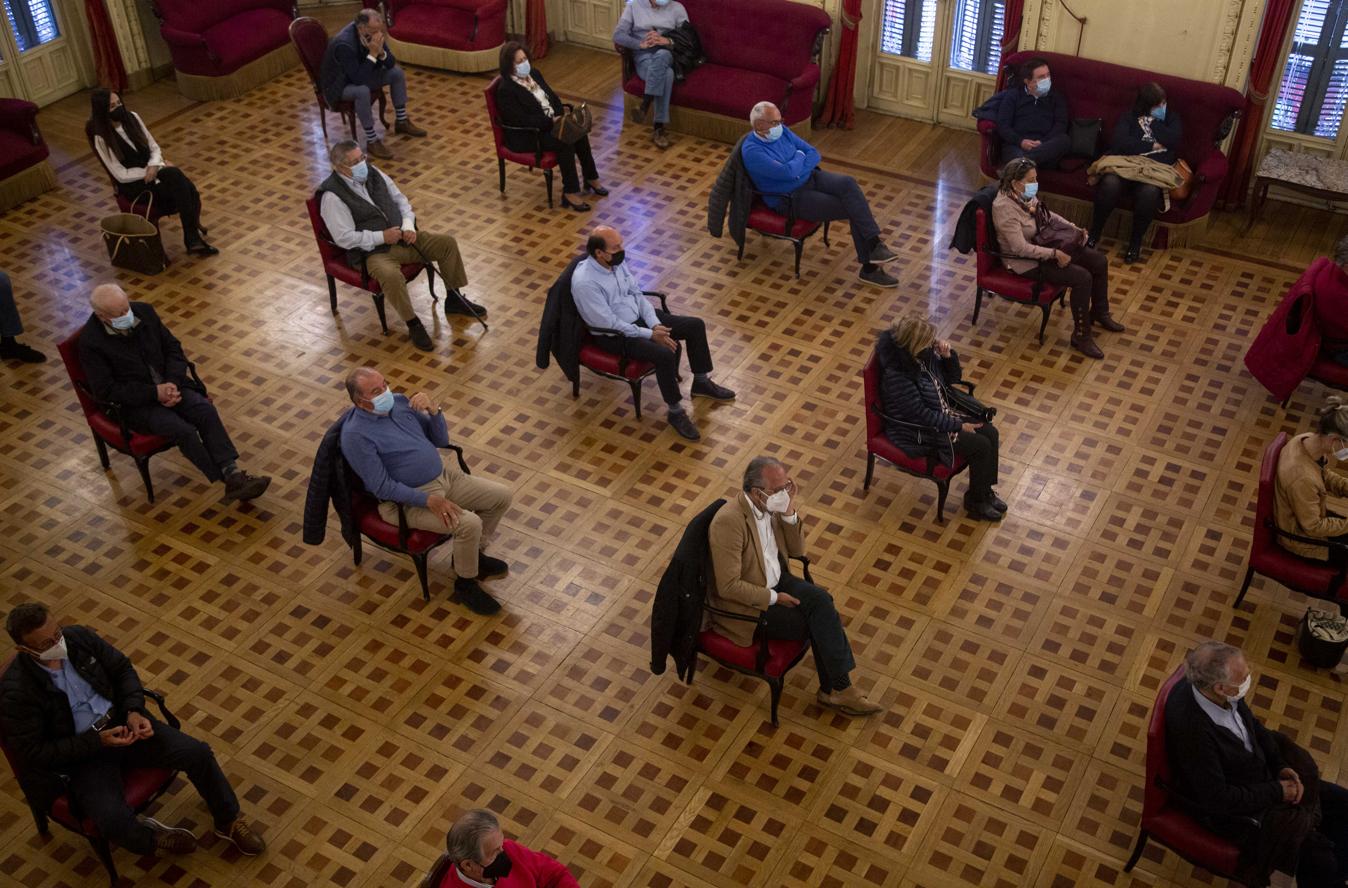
(311, 42)
(24, 170)
(1318, 579)
(783, 226)
(877, 445)
(543, 160)
(757, 50)
(141, 786)
(1328, 371)
(223, 48)
(995, 278)
(1102, 90)
(457, 35)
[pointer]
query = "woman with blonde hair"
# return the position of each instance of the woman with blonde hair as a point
(917, 371)
(1312, 468)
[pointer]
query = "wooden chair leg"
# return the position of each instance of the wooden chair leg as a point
(379, 310)
(420, 562)
(323, 121)
(575, 385)
(1137, 851)
(143, 463)
(40, 820)
(332, 293)
(500, 168)
(826, 234)
(102, 449)
(1043, 325)
(775, 686)
(547, 178)
(870, 470)
(978, 302)
(357, 551)
(636, 395)
(800, 248)
(104, 853)
(740, 254)
(1245, 586)
(942, 489)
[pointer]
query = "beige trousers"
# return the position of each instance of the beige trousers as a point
(386, 267)
(483, 503)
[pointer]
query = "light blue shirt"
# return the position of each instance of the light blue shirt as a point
(611, 299)
(1227, 717)
(86, 704)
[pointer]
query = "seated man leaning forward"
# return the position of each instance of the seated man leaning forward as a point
(608, 297)
(482, 856)
(781, 163)
(73, 713)
(750, 539)
(393, 444)
(356, 67)
(130, 358)
(371, 219)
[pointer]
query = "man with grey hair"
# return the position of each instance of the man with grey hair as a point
(785, 169)
(478, 855)
(131, 359)
(750, 539)
(1229, 771)
(372, 220)
(356, 67)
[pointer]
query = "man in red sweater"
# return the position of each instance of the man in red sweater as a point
(480, 856)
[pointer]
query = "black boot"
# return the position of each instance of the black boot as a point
(1082, 340)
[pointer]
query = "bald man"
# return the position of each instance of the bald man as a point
(133, 361)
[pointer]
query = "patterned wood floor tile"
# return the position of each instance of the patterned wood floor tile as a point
(956, 665)
(1095, 641)
(1021, 772)
(1107, 810)
(922, 732)
(602, 862)
(877, 804)
(785, 767)
(725, 841)
(995, 605)
(1058, 704)
(814, 857)
(456, 713)
(1069, 865)
(972, 843)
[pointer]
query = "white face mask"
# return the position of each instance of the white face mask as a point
(1241, 691)
(1341, 454)
(55, 652)
(778, 502)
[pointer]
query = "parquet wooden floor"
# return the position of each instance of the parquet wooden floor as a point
(1018, 662)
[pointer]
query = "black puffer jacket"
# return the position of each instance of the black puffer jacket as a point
(733, 191)
(35, 714)
(909, 392)
(686, 47)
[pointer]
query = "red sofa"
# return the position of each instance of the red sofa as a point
(24, 170)
(1104, 90)
(224, 48)
(457, 35)
(757, 50)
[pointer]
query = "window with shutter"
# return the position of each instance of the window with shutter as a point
(1313, 90)
(907, 28)
(33, 22)
(976, 35)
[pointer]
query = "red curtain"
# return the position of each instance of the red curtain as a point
(536, 28)
(107, 57)
(1014, 11)
(1263, 68)
(839, 109)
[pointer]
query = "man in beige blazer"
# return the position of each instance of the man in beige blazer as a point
(751, 537)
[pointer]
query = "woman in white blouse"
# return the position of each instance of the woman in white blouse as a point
(124, 144)
(526, 102)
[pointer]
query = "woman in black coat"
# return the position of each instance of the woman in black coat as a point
(1150, 129)
(916, 373)
(524, 99)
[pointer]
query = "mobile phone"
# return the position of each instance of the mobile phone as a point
(103, 721)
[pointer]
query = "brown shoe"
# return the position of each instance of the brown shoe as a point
(849, 701)
(249, 843)
(408, 128)
(170, 839)
(660, 137)
(377, 149)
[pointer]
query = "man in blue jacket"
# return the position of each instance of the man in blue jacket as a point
(357, 65)
(784, 167)
(1032, 120)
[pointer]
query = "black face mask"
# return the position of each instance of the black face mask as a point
(616, 259)
(499, 868)
(118, 114)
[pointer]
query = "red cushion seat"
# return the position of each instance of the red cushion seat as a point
(1017, 287)
(602, 361)
(365, 509)
(891, 452)
(432, 25)
(246, 36)
(763, 218)
(1182, 833)
(18, 153)
(139, 785)
(139, 445)
(781, 652)
(1331, 373)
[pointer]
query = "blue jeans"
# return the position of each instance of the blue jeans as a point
(656, 67)
(10, 326)
(359, 94)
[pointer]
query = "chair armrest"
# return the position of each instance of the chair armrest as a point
(1224, 128)
(17, 114)
(185, 39)
(964, 384)
(664, 305)
(1329, 546)
(111, 408)
(196, 380)
(903, 422)
(538, 139)
(731, 615)
(1185, 802)
(1212, 168)
(158, 698)
(458, 453)
(805, 566)
(628, 64)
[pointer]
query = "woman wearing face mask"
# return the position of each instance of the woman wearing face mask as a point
(1312, 468)
(1084, 270)
(526, 102)
(132, 157)
(917, 371)
(1151, 130)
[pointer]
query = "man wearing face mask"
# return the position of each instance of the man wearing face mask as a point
(393, 443)
(608, 298)
(73, 711)
(480, 856)
(1032, 121)
(356, 67)
(131, 359)
(785, 167)
(372, 220)
(1226, 767)
(750, 539)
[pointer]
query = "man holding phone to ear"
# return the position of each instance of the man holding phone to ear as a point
(72, 707)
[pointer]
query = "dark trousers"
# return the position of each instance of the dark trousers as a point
(690, 331)
(10, 325)
(1146, 203)
(173, 192)
(1088, 278)
(567, 155)
(96, 784)
(1047, 155)
(194, 425)
(980, 449)
(817, 619)
(830, 196)
(1324, 855)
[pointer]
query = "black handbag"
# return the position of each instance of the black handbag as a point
(964, 402)
(1084, 134)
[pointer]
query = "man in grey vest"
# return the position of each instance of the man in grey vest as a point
(370, 218)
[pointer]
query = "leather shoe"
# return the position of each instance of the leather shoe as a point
(377, 149)
(878, 277)
(408, 128)
(579, 206)
(711, 390)
(472, 596)
(882, 254)
(169, 839)
(996, 502)
(201, 248)
(682, 423)
(1106, 320)
(849, 701)
(17, 351)
(240, 485)
(596, 190)
(488, 567)
(420, 338)
(458, 304)
(1132, 257)
(982, 511)
(241, 835)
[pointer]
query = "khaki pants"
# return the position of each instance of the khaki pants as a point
(483, 503)
(386, 267)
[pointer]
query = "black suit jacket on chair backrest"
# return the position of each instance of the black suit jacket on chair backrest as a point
(676, 613)
(561, 329)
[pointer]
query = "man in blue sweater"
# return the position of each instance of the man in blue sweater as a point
(1032, 121)
(358, 65)
(786, 168)
(393, 444)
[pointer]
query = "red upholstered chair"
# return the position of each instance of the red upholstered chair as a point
(24, 169)
(106, 423)
(544, 160)
(1162, 820)
(458, 35)
(1318, 579)
(336, 267)
(310, 39)
(141, 787)
(877, 445)
(767, 658)
(784, 226)
(617, 366)
(213, 42)
(995, 278)
(1329, 372)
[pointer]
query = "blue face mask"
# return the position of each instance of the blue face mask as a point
(773, 134)
(124, 322)
(360, 171)
(1042, 87)
(1158, 112)
(1031, 189)
(382, 403)
(661, 2)
(522, 69)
